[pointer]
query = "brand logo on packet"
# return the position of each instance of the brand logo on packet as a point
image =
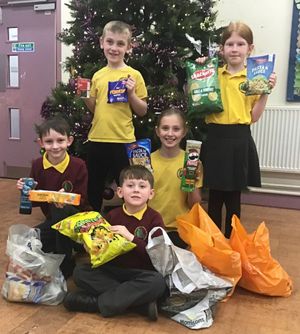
(203, 74)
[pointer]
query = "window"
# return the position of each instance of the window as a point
(13, 64)
(12, 34)
(14, 120)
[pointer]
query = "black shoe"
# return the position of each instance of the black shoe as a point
(80, 301)
(152, 311)
(149, 310)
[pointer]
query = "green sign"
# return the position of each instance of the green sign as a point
(23, 47)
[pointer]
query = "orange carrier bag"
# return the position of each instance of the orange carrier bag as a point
(260, 272)
(208, 243)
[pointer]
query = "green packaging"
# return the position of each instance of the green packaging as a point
(191, 165)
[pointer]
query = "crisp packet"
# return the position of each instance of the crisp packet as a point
(191, 165)
(204, 95)
(139, 153)
(92, 230)
(259, 69)
(117, 91)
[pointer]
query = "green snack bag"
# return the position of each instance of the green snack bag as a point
(204, 95)
(191, 165)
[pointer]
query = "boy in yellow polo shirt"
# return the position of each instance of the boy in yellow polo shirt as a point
(117, 91)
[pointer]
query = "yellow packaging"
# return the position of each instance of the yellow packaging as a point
(92, 230)
(54, 196)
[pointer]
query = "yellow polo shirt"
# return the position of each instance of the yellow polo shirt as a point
(112, 122)
(169, 200)
(237, 106)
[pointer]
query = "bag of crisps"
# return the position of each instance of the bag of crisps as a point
(139, 153)
(92, 230)
(204, 95)
(259, 69)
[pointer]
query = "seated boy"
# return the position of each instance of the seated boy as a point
(129, 281)
(58, 171)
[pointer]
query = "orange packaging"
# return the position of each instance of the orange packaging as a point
(54, 196)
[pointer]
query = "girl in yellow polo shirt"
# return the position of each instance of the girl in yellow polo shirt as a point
(229, 156)
(167, 162)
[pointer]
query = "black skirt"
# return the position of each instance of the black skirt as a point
(229, 157)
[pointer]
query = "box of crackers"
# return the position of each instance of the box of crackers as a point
(54, 197)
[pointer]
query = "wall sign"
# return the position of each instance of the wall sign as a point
(293, 87)
(23, 47)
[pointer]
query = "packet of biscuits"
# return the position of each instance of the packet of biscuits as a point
(204, 95)
(139, 152)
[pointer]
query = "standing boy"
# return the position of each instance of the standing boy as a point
(117, 91)
(56, 170)
(128, 281)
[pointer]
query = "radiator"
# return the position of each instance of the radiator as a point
(277, 138)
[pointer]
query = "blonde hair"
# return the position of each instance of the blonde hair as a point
(117, 27)
(241, 29)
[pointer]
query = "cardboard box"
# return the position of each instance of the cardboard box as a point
(54, 196)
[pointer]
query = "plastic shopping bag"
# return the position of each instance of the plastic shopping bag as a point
(32, 276)
(209, 244)
(194, 290)
(260, 272)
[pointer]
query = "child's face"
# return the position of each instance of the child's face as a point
(171, 131)
(136, 193)
(235, 50)
(115, 46)
(55, 145)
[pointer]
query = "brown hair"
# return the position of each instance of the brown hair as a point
(117, 27)
(241, 29)
(137, 172)
(56, 123)
(172, 111)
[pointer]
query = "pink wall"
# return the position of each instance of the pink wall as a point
(37, 76)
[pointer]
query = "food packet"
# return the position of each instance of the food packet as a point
(92, 230)
(117, 91)
(204, 95)
(259, 69)
(191, 165)
(139, 152)
(83, 87)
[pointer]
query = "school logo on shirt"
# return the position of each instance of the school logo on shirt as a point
(179, 173)
(141, 232)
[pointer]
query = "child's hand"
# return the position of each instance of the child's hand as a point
(201, 60)
(20, 184)
(122, 230)
(130, 85)
(272, 80)
(60, 205)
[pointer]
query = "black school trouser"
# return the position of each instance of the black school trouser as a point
(119, 289)
(103, 160)
(54, 241)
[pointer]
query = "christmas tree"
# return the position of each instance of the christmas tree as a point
(160, 47)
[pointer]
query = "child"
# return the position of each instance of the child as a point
(57, 170)
(112, 124)
(229, 157)
(129, 281)
(167, 163)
